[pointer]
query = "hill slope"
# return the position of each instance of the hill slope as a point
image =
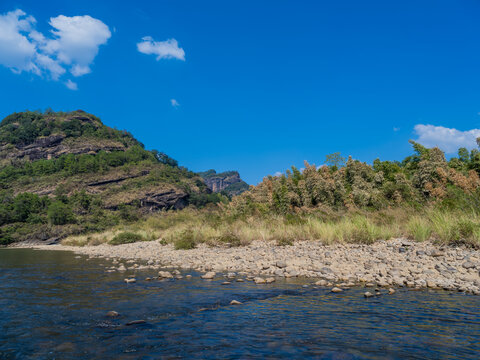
(64, 173)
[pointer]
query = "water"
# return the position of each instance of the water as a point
(53, 306)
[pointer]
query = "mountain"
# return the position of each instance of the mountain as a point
(63, 173)
(228, 182)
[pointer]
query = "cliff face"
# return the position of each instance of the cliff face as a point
(228, 182)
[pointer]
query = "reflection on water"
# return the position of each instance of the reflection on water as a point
(53, 306)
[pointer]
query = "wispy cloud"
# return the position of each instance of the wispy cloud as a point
(447, 139)
(71, 46)
(163, 49)
(71, 85)
(174, 103)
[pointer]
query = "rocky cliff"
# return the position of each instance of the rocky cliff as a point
(228, 182)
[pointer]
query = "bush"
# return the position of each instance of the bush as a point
(126, 238)
(185, 240)
(230, 239)
(5, 239)
(60, 213)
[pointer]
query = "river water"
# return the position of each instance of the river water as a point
(53, 305)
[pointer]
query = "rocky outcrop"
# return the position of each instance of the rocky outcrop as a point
(228, 181)
(170, 199)
(54, 146)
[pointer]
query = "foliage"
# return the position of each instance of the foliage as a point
(185, 240)
(126, 238)
(60, 213)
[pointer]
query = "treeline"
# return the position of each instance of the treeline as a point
(25, 127)
(424, 177)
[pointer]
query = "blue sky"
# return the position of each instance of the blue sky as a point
(255, 86)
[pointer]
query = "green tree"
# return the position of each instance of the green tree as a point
(60, 213)
(335, 160)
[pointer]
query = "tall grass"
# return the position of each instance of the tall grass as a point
(188, 228)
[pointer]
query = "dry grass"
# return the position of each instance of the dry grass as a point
(187, 228)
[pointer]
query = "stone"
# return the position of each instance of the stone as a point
(135, 322)
(209, 275)
(468, 265)
(226, 283)
(259, 280)
(391, 291)
(321, 283)
(235, 302)
(112, 314)
(270, 280)
(240, 280)
(131, 280)
(336, 290)
(148, 279)
(165, 275)
(368, 294)
(281, 264)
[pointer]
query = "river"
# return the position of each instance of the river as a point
(53, 305)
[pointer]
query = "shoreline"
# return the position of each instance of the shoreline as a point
(392, 263)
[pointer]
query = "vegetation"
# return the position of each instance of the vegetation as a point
(126, 238)
(422, 198)
(96, 197)
(68, 174)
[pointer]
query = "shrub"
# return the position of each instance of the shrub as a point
(126, 238)
(60, 213)
(230, 239)
(5, 239)
(184, 240)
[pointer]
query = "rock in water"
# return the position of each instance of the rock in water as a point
(336, 290)
(259, 280)
(235, 302)
(112, 314)
(132, 280)
(391, 291)
(135, 322)
(209, 275)
(368, 294)
(165, 275)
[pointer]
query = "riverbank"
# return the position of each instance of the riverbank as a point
(393, 263)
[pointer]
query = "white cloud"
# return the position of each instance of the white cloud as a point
(163, 49)
(174, 103)
(447, 139)
(17, 52)
(72, 45)
(396, 129)
(278, 173)
(76, 41)
(71, 85)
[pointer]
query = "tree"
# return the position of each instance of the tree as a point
(335, 160)
(60, 213)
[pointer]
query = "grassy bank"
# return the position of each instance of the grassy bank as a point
(187, 228)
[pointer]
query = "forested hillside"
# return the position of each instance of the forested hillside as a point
(64, 173)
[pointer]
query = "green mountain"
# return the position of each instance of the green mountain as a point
(67, 173)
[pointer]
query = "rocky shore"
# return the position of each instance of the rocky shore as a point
(393, 263)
